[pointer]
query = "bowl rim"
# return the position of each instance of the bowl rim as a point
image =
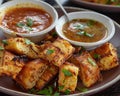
(59, 32)
(34, 2)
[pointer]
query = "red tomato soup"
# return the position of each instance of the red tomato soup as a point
(26, 20)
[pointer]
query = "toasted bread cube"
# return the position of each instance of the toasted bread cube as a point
(50, 73)
(40, 84)
(22, 46)
(53, 69)
(73, 59)
(89, 71)
(53, 55)
(11, 67)
(52, 36)
(30, 73)
(58, 52)
(107, 56)
(47, 76)
(68, 77)
(65, 47)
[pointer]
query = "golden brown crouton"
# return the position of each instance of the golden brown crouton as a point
(40, 84)
(22, 46)
(47, 76)
(68, 77)
(105, 56)
(89, 71)
(11, 67)
(58, 52)
(53, 55)
(66, 48)
(30, 73)
(73, 59)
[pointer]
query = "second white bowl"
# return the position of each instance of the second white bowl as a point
(106, 21)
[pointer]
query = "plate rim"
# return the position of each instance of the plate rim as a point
(11, 92)
(97, 4)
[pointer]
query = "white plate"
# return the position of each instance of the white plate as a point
(8, 86)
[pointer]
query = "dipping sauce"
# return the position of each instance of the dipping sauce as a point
(84, 30)
(26, 20)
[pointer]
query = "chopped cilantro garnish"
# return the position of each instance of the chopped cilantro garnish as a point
(54, 34)
(79, 27)
(29, 22)
(49, 51)
(46, 91)
(118, 4)
(20, 24)
(31, 91)
(81, 50)
(67, 91)
(67, 72)
(83, 33)
(96, 56)
(1, 48)
(82, 89)
(26, 25)
(56, 94)
(91, 22)
(4, 42)
(112, 1)
(91, 61)
(27, 41)
(28, 28)
(50, 89)
(61, 87)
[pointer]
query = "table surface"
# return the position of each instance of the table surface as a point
(113, 90)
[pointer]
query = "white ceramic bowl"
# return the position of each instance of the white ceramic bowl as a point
(35, 37)
(106, 21)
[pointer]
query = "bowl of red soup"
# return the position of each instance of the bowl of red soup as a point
(27, 18)
(86, 28)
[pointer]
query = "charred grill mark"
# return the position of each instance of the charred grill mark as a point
(31, 47)
(20, 58)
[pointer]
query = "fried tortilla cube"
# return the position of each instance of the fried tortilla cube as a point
(105, 56)
(22, 46)
(30, 73)
(68, 77)
(11, 67)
